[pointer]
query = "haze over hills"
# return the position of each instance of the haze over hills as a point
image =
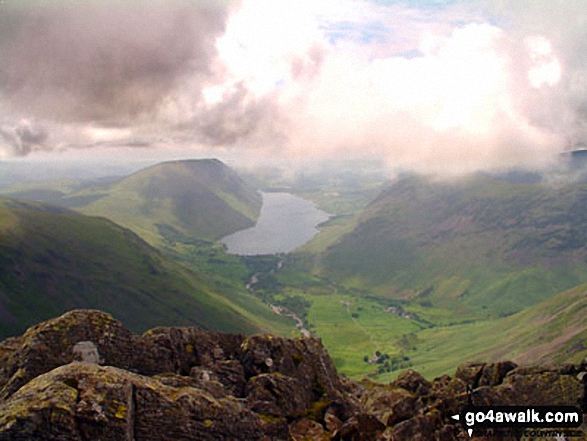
(201, 199)
(54, 259)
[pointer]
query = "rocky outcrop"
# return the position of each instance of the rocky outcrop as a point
(83, 376)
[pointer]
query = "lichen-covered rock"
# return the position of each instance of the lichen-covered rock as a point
(362, 427)
(278, 395)
(82, 376)
(304, 359)
(43, 409)
(90, 402)
(391, 406)
(306, 429)
(231, 375)
(412, 381)
(493, 374)
(470, 373)
(551, 387)
(183, 348)
(51, 344)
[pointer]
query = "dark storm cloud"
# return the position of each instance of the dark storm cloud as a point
(111, 61)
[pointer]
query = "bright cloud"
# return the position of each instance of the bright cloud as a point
(461, 85)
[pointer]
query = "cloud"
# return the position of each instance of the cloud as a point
(23, 138)
(103, 61)
(458, 86)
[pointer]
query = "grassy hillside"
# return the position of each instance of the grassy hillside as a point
(202, 199)
(54, 259)
(478, 245)
(551, 332)
(199, 198)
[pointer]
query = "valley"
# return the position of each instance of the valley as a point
(411, 273)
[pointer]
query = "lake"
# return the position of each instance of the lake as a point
(286, 222)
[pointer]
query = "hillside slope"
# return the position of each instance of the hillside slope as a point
(198, 198)
(203, 199)
(551, 332)
(479, 243)
(53, 260)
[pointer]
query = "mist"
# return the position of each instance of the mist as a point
(448, 88)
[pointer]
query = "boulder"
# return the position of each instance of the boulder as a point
(83, 376)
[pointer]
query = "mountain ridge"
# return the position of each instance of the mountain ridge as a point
(480, 243)
(54, 259)
(198, 198)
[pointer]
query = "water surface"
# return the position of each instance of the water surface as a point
(286, 222)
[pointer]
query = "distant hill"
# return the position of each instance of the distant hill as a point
(202, 199)
(53, 259)
(198, 198)
(485, 244)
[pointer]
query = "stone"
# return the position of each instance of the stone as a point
(412, 381)
(493, 374)
(278, 395)
(470, 373)
(362, 427)
(87, 352)
(83, 376)
(305, 429)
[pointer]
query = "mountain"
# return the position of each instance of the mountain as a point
(201, 199)
(551, 332)
(83, 376)
(53, 259)
(478, 244)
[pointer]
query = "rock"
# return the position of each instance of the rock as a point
(422, 427)
(304, 359)
(391, 406)
(493, 374)
(278, 395)
(552, 387)
(470, 373)
(446, 387)
(83, 376)
(362, 427)
(183, 348)
(331, 421)
(232, 376)
(51, 344)
(86, 401)
(306, 429)
(412, 381)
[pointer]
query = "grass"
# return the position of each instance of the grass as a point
(479, 244)
(54, 260)
(550, 332)
(200, 198)
(352, 332)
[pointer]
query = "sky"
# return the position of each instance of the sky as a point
(434, 86)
